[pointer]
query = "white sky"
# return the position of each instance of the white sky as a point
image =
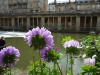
(49, 1)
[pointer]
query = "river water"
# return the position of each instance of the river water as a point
(16, 39)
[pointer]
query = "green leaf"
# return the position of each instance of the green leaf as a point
(67, 38)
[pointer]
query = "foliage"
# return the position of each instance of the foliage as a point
(88, 69)
(72, 50)
(52, 55)
(67, 38)
(37, 42)
(34, 68)
(98, 42)
(90, 44)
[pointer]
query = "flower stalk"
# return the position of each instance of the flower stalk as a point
(71, 63)
(40, 63)
(59, 68)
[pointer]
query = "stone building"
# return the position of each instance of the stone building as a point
(73, 17)
(23, 6)
(83, 5)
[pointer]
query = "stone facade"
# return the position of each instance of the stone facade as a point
(20, 6)
(75, 6)
(78, 17)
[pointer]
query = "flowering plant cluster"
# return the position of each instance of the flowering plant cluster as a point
(42, 40)
(8, 57)
(72, 46)
(92, 53)
(39, 38)
(50, 54)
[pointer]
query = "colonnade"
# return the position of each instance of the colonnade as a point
(64, 23)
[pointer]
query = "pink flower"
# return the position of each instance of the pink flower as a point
(90, 61)
(71, 43)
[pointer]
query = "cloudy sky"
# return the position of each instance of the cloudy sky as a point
(49, 1)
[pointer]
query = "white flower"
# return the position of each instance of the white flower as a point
(84, 55)
(93, 56)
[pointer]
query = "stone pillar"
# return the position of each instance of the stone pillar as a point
(22, 21)
(8, 22)
(59, 23)
(0, 22)
(33, 22)
(78, 23)
(91, 23)
(85, 23)
(42, 21)
(65, 23)
(98, 24)
(4, 22)
(37, 21)
(71, 23)
(12, 22)
(28, 22)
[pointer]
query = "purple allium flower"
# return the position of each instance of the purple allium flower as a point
(50, 54)
(39, 35)
(71, 43)
(9, 56)
(90, 61)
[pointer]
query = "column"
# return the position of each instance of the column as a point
(28, 22)
(37, 22)
(84, 22)
(70, 23)
(33, 22)
(3, 22)
(0, 22)
(22, 21)
(78, 23)
(98, 24)
(8, 22)
(91, 23)
(42, 21)
(12, 22)
(59, 23)
(65, 23)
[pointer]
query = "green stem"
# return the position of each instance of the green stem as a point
(40, 62)
(59, 68)
(10, 71)
(49, 70)
(34, 64)
(66, 63)
(71, 57)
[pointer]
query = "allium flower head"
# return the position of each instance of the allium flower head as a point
(89, 61)
(71, 43)
(39, 37)
(50, 54)
(9, 56)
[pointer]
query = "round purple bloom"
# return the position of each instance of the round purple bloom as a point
(9, 56)
(50, 54)
(89, 61)
(71, 43)
(39, 36)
